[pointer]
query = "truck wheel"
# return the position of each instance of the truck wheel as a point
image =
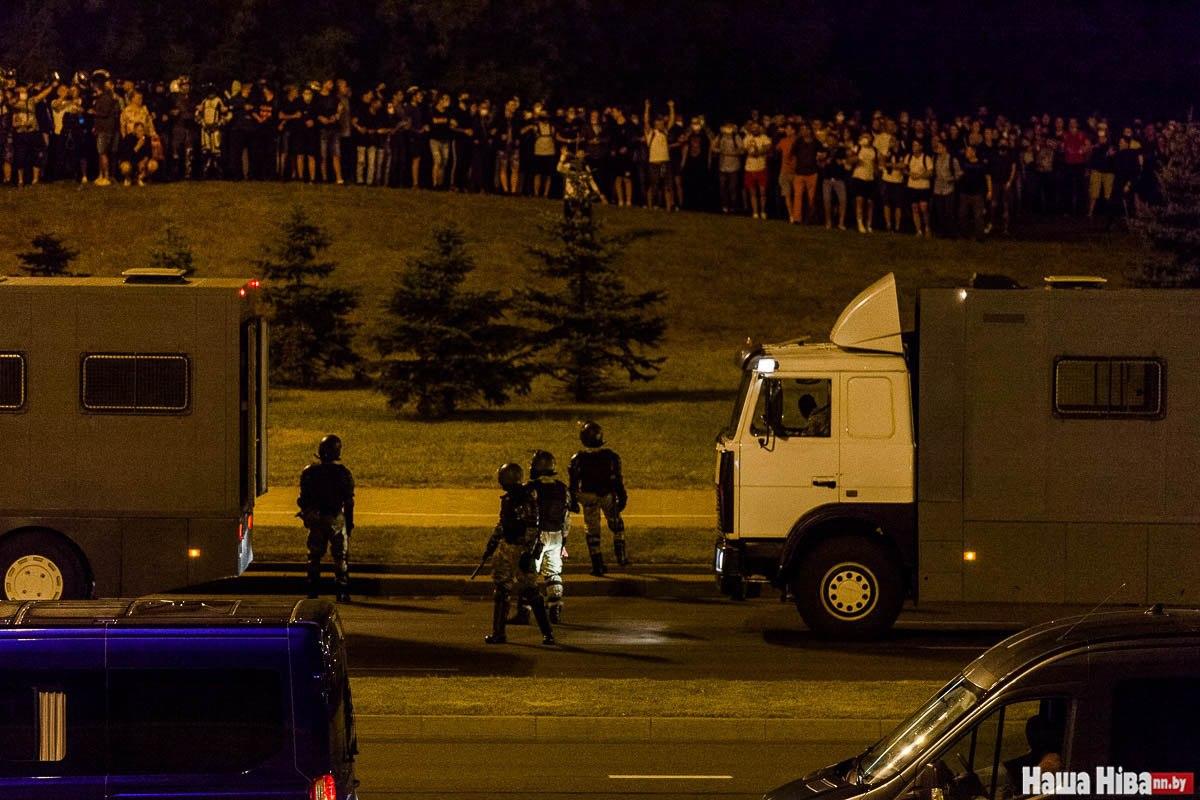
(40, 566)
(849, 588)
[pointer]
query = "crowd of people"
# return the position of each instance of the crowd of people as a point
(922, 174)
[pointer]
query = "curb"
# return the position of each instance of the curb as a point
(653, 585)
(619, 729)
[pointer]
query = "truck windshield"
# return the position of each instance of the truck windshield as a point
(736, 417)
(896, 751)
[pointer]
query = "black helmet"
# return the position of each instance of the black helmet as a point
(510, 475)
(542, 464)
(330, 448)
(590, 434)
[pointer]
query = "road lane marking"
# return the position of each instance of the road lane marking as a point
(670, 777)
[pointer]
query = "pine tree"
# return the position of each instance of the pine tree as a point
(588, 326)
(50, 258)
(1171, 229)
(446, 347)
(311, 335)
(173, 252)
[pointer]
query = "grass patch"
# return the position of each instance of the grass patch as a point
(635, 697)
(727, 278)
(420, 545)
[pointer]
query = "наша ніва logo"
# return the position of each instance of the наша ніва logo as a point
(1105, 781)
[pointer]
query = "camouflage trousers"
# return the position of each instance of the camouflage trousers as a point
(507, 574)
(328, 533)
(595, 505)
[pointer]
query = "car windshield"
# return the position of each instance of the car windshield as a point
(736, 417)
(893, 753)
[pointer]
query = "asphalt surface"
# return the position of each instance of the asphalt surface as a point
(416, 770)
(654, 638)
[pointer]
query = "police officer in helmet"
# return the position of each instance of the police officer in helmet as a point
(598, 487)
(554, 523)
(327, 508)
(518, 550)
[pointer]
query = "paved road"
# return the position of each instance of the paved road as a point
(659, 508)
(415, 770)
(649, 638)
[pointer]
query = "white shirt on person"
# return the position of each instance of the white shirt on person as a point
(864, 170)
(920, 171)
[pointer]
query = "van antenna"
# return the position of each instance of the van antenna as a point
(1079, 621)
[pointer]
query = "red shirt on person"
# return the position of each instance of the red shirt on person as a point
(1075, 147)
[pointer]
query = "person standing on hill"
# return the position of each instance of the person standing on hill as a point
(327, 508)
(597, 487)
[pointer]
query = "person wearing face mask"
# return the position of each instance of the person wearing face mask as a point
(697, 144)
(26, 134)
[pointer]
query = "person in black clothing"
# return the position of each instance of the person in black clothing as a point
(517, 547)
(554, 523)
(1002, 166)
(135, 156)
(597, 487)
(974, 192)
(327, 508)
(462, 146)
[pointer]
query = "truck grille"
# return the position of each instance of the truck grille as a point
(725, 493)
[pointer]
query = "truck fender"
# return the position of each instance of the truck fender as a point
(881, 522)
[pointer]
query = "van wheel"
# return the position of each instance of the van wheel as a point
(849, 588)
(40, 566)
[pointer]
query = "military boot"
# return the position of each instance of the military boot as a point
(622, 555)
(499, 618)
(598, 568)
(543, 621)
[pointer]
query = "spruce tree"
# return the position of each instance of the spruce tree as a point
(1171, 229)
(50, 257)
(173, 252)
(446, 347)
(588, 327)
(311, 334)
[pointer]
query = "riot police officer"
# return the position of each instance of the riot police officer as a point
(518, 551)
(554, 523)
(597, 487)
(327, 508)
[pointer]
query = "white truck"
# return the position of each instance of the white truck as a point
(1021, 445)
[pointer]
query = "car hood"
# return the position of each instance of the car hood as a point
(826, 783)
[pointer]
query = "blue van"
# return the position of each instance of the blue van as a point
(171, 698)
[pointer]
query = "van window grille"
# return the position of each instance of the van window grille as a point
(136, 382)
(1109, 388)
(12, 381)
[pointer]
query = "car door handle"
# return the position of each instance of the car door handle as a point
(828, 483)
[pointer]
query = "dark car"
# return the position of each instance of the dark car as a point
(1100, 697)
(154, 699)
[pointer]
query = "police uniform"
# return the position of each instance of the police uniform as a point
(554, 523)
(327, 508)
(597, 487)
(514, 565)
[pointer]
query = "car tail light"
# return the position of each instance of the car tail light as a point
(241, 532)
(323, 788)
(249, 522)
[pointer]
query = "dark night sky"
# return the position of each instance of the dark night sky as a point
(1123, 58)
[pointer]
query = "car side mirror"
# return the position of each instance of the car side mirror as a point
(926, 785)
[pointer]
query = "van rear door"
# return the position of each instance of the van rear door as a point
(201, 713)
(52, 715)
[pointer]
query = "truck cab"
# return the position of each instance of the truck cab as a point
(815, 472)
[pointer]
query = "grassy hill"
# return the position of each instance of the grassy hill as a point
(728, 278)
